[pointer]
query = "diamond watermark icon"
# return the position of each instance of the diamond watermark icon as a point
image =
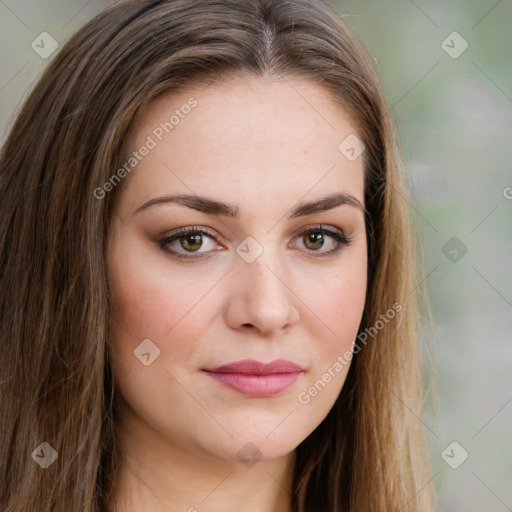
(44, 455)
(454, 45)
(44, 45)
(146, 352)
(249, 454)
(249, 249)
(454, 455)
(351, 147)
(454, 249)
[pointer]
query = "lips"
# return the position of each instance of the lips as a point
(255, 378)
(257, 368)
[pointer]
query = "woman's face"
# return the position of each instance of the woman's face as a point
(279, 274)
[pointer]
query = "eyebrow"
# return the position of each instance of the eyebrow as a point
(219, 208)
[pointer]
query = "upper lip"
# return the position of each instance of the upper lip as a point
(253, 367)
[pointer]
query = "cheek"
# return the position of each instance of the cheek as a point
(148, 295)
(338, 300)
(339, 310)
(152, 302)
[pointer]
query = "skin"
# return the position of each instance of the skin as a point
(263, 145)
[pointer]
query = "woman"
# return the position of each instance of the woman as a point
(208, 274)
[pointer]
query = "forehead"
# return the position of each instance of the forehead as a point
(245, 137)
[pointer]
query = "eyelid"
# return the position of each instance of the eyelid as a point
(320, 227)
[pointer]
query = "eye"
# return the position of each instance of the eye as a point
(316, 238)
(188, 242)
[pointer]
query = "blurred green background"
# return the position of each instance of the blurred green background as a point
(451, 96)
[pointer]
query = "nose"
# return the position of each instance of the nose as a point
(261, 298)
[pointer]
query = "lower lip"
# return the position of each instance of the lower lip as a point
(256, 385)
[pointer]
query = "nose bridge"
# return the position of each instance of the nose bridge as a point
(263, 295)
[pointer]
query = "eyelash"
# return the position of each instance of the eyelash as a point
(340, 238)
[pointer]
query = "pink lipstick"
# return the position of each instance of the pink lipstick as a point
(255, 378)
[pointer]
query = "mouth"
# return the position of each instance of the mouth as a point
(257, 379)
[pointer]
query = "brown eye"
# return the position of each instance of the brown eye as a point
(323, 241)
(187, 241)
(313, 240)
(191, 242)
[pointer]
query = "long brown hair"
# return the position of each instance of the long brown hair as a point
(57, 383)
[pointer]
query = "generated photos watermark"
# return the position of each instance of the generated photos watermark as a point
(152, 140)
(343, 360)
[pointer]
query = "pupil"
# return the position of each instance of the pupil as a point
(315, 239)
(192, 240)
